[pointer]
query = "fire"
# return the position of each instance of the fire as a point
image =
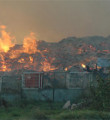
(31, 59)
(12, 58)
(4, 65)
(5, 40)
(4, 68)
(15, 53)
(66, 69)
(3, 27)
(30, 44)
(30, 56)
(98, 67)
(21, 60)
(46, 66)
(83, 65)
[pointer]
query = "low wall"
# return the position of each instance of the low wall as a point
(53, 95)
(11, 90)
(57, 95)
(12, 98)
(67, 94)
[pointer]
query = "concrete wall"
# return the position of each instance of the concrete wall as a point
(49, 94)
(11, 90)
(13, 98)
(67, 94)
(58, 95)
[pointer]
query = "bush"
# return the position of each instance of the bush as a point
(101, 93)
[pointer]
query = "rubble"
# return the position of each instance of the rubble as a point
(66, 55)
(73, 106)
(67, 105)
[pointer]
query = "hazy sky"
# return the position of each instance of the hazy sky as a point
(53, 20)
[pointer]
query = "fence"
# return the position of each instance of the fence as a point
(52, 84)
(67, 80)
(54, 80)
(80, 79)
(11, 84)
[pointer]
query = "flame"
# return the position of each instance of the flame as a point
(4, 66)
(83, 65)
(5, 40)
(99, 67)
(31, 59)
(30, 44)
(21, 60)
(46, 66)
(29, 56)
(15, 53)
(66, 69)
(3, 27)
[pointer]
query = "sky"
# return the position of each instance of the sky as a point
(53, 20)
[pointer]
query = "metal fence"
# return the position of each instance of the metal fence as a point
(61, 84)
(54, 80)
(11, 84)
(49, 80)
(80, 79)
(67, 80)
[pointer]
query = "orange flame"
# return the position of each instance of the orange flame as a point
(67, 68)
(21, 60)
(31, 59)
(30, 44)
(5, 40)
(98, 67)
(46, 66)
(3, 27)
(83, 65)
(4, 66)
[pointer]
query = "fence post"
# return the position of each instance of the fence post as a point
(65, 80)
(53, 87)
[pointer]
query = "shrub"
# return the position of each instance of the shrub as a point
(101, 93)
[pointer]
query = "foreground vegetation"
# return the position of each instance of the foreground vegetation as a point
(43, 111)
